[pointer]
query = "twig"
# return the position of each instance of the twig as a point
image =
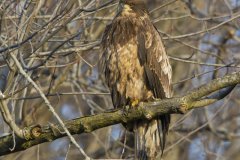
(62, 94)
(202, 31)
(8, 117)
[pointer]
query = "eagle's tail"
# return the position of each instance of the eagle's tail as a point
(150, 137)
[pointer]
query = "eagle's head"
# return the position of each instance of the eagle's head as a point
(132, 5)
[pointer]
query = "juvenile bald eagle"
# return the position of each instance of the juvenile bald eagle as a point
(137, 69)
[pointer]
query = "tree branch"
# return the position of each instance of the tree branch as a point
(145, 110)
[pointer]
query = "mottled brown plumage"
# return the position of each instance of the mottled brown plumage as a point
(136, 68)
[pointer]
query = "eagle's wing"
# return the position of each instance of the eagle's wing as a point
(109, 61)
(152, 55)
(158, 72)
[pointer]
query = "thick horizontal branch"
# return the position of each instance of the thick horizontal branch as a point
(146, 110)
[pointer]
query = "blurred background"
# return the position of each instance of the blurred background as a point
(57, 43)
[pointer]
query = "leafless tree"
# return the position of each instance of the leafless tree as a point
(50, 80)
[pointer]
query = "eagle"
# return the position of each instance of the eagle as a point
(137, 69)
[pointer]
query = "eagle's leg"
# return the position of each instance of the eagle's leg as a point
(133, 103)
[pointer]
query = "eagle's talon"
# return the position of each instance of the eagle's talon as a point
(134, 103)
(126, 110)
